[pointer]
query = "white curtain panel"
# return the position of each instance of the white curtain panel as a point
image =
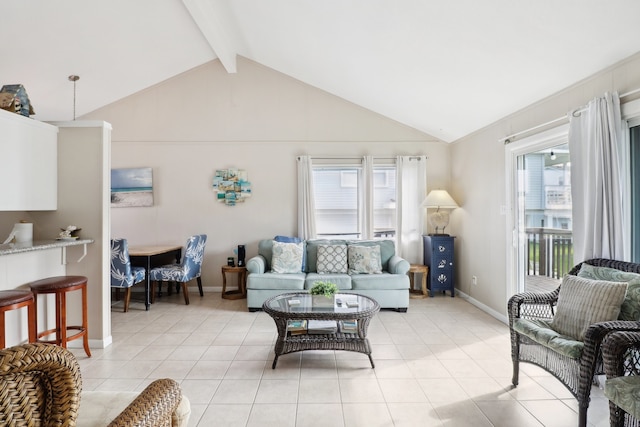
(595, 138)
(367, 198)
(306, 204)
(411, 191)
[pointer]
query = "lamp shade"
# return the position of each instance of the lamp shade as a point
(439, 199)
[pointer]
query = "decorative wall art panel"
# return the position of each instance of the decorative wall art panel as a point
(131, 187)
(231, 186)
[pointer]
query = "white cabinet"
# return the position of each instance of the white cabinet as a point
(29, 169)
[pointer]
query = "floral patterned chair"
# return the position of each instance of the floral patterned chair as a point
(190, 268)
(123, 274)
(621, 354)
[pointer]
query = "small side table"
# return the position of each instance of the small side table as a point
(241, 292)
(424, 271)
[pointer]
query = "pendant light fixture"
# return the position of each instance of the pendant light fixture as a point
(73, 78)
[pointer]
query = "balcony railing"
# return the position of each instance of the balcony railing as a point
(549, 252)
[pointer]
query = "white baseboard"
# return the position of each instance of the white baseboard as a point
(104, 343)
(491, 312)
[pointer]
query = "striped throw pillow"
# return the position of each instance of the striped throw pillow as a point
(583, 302)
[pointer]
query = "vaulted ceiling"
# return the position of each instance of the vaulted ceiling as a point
(444, 67)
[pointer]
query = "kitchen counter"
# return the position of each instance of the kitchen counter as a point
(39, 245)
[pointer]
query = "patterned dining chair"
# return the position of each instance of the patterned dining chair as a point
(189, 269)
(123, 274)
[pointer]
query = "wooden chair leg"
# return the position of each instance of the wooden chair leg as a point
(185, 291)
(200, 286)
(127, 298)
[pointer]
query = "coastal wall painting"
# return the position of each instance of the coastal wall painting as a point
(231, 186)
(132, 187)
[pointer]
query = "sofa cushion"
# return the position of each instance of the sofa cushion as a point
(312, 251)
(364, 259)
(583, 302)
(379, 281)
(342, 281)
(287, 239)
(630, 308)
(287, 257)
(332, 259)
(270, 280)
(387, 249)
(625, 393)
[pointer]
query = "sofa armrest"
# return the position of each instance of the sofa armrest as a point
(153, 407)
(256, 265)
(398, 265)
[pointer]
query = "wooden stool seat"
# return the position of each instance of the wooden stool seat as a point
(13, 300)
(59, 286)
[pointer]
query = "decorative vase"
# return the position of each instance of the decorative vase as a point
(322, 301)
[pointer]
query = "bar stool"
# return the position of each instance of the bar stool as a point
(13, 300)
(59, 286)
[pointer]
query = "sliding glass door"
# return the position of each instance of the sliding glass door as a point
(540, 220)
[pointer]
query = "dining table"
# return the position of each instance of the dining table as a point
(151, 256)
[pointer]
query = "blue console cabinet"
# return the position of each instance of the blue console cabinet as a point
(438, 255)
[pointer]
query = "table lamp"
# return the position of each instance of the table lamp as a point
(439, 199)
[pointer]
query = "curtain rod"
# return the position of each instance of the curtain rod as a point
(507, 139)
(359, 158)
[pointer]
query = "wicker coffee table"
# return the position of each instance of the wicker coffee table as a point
(351, 312)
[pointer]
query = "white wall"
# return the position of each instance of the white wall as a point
(258, 120)
(479, 187)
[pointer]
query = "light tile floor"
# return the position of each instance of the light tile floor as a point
(443, 363)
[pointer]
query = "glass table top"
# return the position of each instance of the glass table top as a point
(307, 303)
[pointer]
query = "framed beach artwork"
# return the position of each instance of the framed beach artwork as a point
(231, 186)
(132, 187)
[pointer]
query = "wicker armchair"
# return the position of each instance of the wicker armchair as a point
(40, 385)
(621, 354)
(576, 374)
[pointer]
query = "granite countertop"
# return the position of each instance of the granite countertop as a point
(39, 245)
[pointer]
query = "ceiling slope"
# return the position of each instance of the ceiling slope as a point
(446, 68)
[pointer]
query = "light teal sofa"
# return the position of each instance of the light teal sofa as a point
(390, 289)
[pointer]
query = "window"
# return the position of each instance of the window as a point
(340, 201)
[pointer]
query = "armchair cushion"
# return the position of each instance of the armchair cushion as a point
(540, 331)
(332, 259)
(364, 259)
(583, 302)
(625, 393)
(287, 257)
(630, 308)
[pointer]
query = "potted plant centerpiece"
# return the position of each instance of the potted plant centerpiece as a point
(322, 294)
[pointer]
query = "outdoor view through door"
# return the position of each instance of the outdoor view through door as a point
(545, 244)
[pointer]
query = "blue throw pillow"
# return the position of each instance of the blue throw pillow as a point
(287, 239)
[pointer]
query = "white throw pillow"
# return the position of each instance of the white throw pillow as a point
(583, 302)
(364, 259)
(332, 259)
(287, 257)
